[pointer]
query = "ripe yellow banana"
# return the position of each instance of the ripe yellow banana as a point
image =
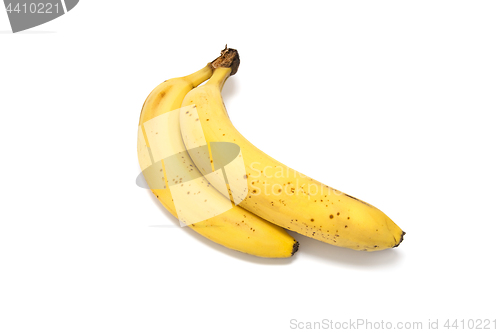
(161, 152)
(277, 193)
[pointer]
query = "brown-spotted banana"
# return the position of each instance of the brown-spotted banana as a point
(182, 189)
(277, 193)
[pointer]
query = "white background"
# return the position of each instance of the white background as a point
(394, 102)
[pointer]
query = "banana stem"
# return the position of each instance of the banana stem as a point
(224, 66)
(228, 58)
(200, 76)
(219, 77)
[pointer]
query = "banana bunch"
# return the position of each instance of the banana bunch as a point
(220, 185)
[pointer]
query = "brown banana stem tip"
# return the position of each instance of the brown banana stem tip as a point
(295, 247)
(229, 58)
(401, 239)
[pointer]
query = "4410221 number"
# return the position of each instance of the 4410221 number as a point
(478, 324)
(33, 8)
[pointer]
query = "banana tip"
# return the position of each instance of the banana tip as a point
(400, 239)
(295, 247)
